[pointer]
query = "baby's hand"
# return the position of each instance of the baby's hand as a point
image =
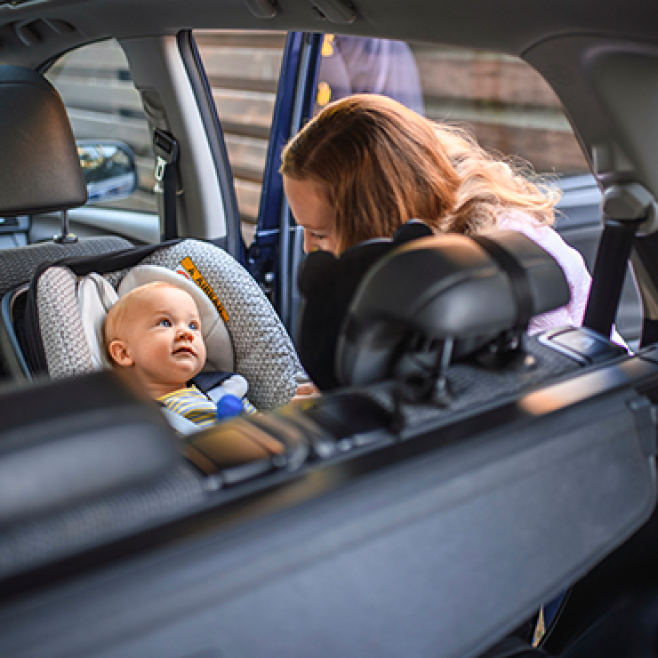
(305, 391)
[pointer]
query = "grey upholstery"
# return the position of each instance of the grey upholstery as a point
(36, 138)
(18, 265)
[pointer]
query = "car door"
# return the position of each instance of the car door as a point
(501, 99)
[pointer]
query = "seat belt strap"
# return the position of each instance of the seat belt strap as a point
(625, 207)
(612, 257)
(165, 148)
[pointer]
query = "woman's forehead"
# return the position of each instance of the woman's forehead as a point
(309, 204)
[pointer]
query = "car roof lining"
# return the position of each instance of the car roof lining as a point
(559, 38)
(510, 26)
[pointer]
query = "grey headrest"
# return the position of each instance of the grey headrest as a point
(42, 171)
(439, 288)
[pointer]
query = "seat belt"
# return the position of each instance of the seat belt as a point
(625, 208)
(165, 148)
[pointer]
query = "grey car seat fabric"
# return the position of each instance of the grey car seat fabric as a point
(264, 353)
(18, 265)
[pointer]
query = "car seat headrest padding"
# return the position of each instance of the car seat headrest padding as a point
(439, 288)
(96, 296)
(36, 139)
(65, 343)
(215, 334)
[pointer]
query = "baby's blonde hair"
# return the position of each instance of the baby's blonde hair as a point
(116, 316)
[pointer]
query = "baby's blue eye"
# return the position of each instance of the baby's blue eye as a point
(164, 323)
(194, 325)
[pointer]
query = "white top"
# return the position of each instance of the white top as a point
(570, 261)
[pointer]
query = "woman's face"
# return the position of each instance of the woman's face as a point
(313, 212)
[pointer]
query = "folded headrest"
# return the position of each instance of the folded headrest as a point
(37, 142)
(471, 291)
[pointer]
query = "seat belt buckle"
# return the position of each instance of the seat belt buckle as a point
(165, 148)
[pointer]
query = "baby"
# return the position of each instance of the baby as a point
(154, 333)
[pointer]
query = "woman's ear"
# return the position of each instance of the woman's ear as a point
(120, 354)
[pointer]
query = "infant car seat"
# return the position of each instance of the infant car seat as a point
(67, 301)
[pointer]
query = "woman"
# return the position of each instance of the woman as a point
(366, 165)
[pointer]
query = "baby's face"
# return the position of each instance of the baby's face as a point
(163, 341)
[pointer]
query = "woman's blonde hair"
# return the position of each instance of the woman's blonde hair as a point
(380, 164)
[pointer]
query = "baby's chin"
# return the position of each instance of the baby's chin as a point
(190, 370)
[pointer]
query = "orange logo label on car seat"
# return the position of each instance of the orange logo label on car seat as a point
(190, 271)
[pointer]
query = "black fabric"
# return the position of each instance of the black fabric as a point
(165, 148)
(608, 277)
(33, 344)
(327, 285)
(206, 381)
(646, 250)
(170, 183)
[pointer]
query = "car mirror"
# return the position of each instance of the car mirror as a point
(109, 169)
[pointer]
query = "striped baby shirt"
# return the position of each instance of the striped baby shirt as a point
(194, 405)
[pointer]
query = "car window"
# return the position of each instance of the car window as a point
(501, 99)
(243, 70)
(103, 104)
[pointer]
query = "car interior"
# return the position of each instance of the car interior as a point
(457, 478)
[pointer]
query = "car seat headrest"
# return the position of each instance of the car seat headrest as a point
(327, 285)
(36, 140)
(444, 290)
(96, 296)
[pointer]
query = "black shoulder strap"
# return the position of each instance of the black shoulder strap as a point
(206, 381)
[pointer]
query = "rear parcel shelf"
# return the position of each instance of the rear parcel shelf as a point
(477, 484)
(84, 462)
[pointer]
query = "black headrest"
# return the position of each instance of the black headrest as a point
(327, 285)
(41, 170)
(451, 287)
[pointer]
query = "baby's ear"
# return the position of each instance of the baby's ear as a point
(120, 354)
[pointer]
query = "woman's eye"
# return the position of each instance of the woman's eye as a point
(164, 323)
